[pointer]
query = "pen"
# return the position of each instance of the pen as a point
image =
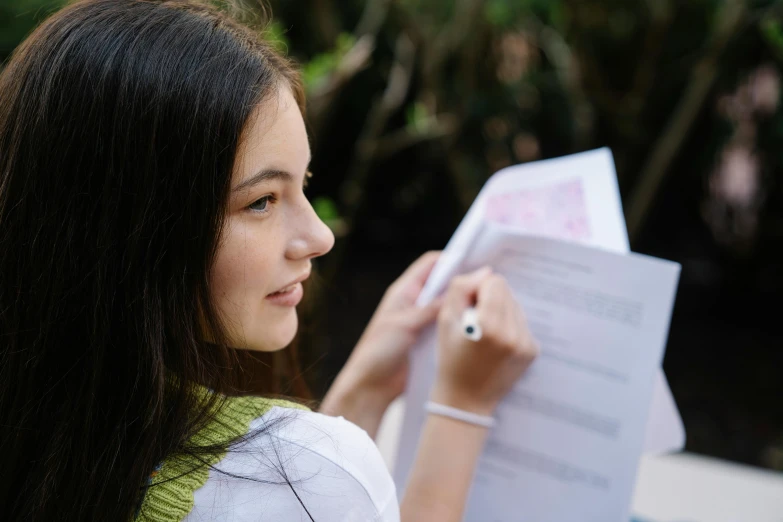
(470, 326)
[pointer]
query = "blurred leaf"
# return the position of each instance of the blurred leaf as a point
(498, 13)
(773, 34)
(557, 15)
(318, 69)
(326, 209)
(19, 17)
(275, 34)
(417, 116)
(508, 13)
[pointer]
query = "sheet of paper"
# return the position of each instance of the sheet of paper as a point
(574, 198)
(570, 433)
(665, 432)
(594, 171)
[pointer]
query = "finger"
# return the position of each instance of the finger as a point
(528, 346)
(406, 289)
(517, 316)
(420, 269)
(463, 290)
(493, 301)
(416, 318)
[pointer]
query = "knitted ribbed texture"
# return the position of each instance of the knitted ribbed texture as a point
(170, 495)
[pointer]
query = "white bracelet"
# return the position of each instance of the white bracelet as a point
(460, 415)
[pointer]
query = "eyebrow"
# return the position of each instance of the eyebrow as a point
(268, 175)
(264, 175)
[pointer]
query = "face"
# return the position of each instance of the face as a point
(272, 232)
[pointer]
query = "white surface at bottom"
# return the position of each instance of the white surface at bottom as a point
(673, 488)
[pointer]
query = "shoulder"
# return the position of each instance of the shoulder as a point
(296, 463)
(168, 494)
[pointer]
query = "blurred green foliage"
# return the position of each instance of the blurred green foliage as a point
(275, 33)
(17, 19)
(773, 33)
(318, 68)
(505, 14)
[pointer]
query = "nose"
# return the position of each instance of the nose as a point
(312, 238)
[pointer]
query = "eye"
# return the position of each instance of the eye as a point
(306, 181)
(261, 205)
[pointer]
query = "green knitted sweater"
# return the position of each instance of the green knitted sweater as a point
(169, 497)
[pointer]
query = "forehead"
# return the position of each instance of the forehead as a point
(275, 137)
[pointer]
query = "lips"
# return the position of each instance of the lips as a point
(290, 295)
(284, 290)
(289, 298)
(290, 286)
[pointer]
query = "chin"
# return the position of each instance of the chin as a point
(278, 335)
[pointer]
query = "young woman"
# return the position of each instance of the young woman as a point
(153, 231)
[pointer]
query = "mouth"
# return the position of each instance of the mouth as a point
(287, 290)
(289, 295)
(290, 286)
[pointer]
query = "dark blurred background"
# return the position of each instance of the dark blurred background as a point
(414, 103)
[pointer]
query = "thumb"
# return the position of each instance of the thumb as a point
(463, 290)
(420, 270)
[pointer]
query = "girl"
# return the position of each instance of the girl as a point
(153, 233)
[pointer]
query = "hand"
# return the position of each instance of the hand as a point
(476, 375)
(377, 370)
(471, 376)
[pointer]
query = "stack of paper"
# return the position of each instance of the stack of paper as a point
(572, 430)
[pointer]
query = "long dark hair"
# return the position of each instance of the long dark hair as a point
(119, 125)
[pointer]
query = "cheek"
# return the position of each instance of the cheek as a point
(245, 272)
(247, 258)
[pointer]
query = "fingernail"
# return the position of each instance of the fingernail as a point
(484, 270)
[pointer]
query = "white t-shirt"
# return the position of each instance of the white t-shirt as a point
(334, 468)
